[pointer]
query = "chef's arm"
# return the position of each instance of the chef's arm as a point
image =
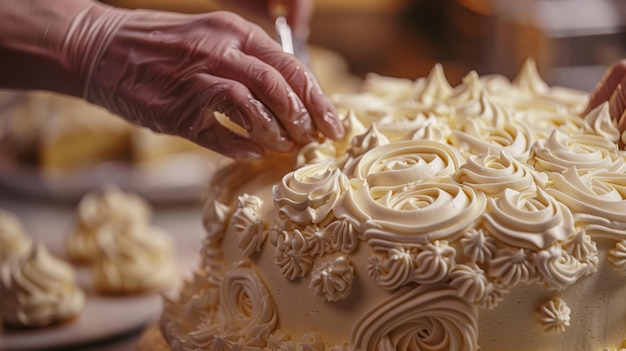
(213, 78)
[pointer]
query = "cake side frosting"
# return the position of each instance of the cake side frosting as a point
(489, 214)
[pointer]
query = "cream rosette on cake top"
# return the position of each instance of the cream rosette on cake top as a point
(308, 194)
(13, 239)
(38, 289)
(597, 198)
(529, 220)
(493, 172)
(598, 121)
(394, 198)
(585, 152)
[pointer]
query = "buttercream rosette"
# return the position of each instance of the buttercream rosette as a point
(596, 198)
(493, 172)
(308, 194)
(530, 220)
(424, 318)
(585, 152)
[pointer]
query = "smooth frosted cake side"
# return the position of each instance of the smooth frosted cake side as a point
(486, 216)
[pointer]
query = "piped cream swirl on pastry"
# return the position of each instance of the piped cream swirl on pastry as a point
(38, 289)
(100, 208)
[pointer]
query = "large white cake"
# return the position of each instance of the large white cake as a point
(489, 216)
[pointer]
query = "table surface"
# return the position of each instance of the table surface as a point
(50, 221)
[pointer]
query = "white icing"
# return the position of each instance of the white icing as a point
(312, 342)
(529, 80)
(316, 152)
(247, 309)
(309, 193)
(583, 249)
(215, 220)
(332, 280)
(99, 208)
(585, 152)
(431, 128)
(477, 246)
(319, 241)
(477, 138)
(422, 318)
(471, 89)
(407, 161)
(557, 268)
(248, 224)
(292, 255)
(599, 122)
(554, 316)
(494, 172)
(597, 199)
(418, 214)
(470, 281)
(484, 109)
(528, 220)
(617, 256)
(38, 289)
(409, 228)
(434, 262)
(394, 269)
(344, 236)
(362, 144)
(510, 266)
(387, 87)
(133, 258)
(435, 88)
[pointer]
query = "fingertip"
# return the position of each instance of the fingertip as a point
(328, 123)
(336, 130)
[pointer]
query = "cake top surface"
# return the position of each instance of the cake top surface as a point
(446, 198)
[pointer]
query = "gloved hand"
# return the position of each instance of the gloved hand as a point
(177, 73)
(611, 88)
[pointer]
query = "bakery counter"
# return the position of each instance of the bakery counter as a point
(106, 322)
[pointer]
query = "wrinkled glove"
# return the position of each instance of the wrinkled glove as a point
(611, 88)
(178, 73)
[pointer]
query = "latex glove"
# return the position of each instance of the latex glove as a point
(611, 88)
(169, 72)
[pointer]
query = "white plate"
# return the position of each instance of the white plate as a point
(102, 317)
(177, 179)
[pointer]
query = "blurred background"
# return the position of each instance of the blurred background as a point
(572, 41)
(55, 149)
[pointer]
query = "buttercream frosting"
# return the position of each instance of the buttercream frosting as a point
(554, 316)
(38, 289)
(133, 259)
(448, 218)
(99, 208)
